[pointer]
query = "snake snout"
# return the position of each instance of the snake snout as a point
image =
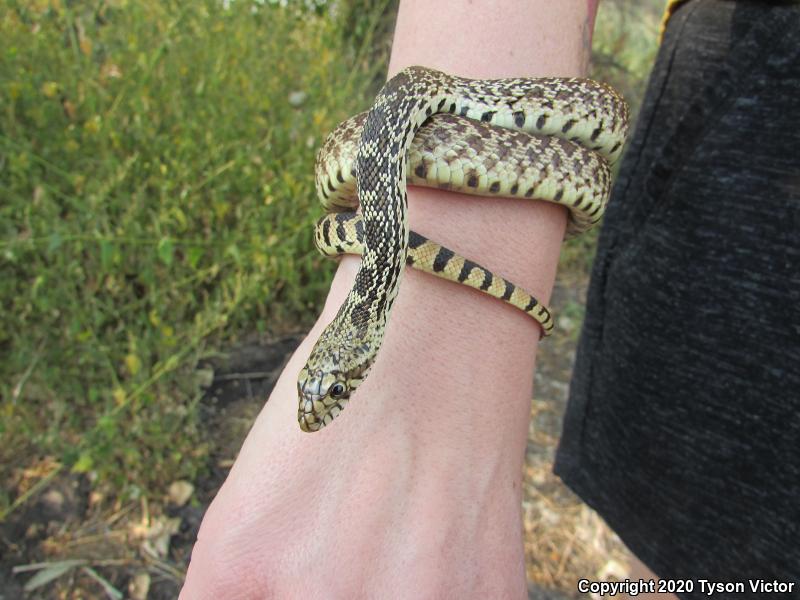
(317, 409)
(307, 421)
(315, 413)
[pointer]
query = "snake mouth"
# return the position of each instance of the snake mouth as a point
(314, 415)
(308, 422)
(307, 417)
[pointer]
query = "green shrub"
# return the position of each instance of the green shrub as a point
(157, 200)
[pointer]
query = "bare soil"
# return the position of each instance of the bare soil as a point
(147, 543)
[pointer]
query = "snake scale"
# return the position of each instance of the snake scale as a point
(544, 138)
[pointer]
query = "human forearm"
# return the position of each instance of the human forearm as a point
(476, 339)
(414, 490)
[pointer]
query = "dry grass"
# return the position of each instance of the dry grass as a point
(564, 539)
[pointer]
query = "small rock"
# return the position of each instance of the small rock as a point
(180, 491)
(96, 498)
(53, 500)
(164, 529)
(204, 377)
(33, 530)
(614, 569)
(156, 535)
(297, 99)
(139, 586)
(566, 324)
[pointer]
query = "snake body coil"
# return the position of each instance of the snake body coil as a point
(582, 111)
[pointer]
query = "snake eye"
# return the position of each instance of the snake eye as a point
(337, 390)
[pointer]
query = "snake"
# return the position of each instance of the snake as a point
(542, 138)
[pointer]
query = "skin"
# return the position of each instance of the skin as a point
(640, 571)
(415, 490)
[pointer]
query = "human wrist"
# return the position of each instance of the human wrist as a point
(519, 239)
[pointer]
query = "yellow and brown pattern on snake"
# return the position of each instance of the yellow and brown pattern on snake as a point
(477, 158)
(343, 233)
(577, 110)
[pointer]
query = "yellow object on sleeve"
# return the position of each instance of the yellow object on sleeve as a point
(672, 6)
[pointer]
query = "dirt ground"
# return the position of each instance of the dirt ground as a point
(84, 543)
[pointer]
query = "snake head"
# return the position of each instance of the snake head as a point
(322, 396)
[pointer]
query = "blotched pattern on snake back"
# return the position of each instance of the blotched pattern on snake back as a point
(578, 113)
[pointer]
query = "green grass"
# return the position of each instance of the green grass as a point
(625, 45)
(157, 204)
(157, 201)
